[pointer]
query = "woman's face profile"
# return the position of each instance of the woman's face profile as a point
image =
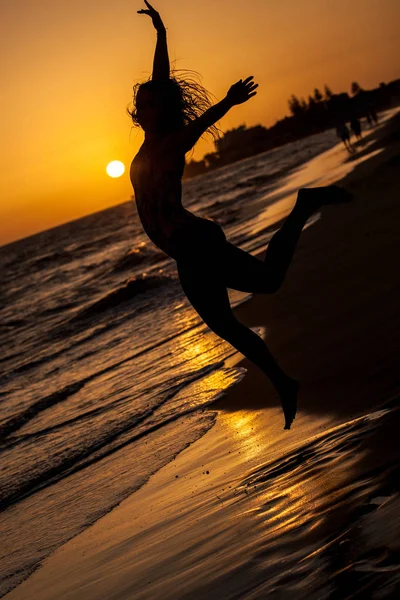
(148, 110)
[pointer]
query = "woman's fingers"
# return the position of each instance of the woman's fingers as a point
(242, 90)
(147, 12)
(250, 85)
(153, 14)
(150, 7)
(248, 81)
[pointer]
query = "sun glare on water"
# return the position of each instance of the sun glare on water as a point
(115, 168)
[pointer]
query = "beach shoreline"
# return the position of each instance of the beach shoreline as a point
(194, 530)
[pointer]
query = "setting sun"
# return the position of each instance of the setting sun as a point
(115, 168)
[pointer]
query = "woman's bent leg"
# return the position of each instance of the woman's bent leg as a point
(246, 273)
(206, 292)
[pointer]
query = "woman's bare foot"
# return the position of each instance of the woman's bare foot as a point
(311, 199)
(288, 392)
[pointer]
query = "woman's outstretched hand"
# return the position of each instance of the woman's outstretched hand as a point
(241, 91)
(155, 16)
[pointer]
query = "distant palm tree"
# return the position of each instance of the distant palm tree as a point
(311, 102)
(294, 105)
(328, 92)
(355, 88)
(318, 97)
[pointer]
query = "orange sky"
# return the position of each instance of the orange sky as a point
(68, 66)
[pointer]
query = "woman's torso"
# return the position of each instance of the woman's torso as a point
(156, 173)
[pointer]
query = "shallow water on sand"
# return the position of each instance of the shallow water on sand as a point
(311, 519)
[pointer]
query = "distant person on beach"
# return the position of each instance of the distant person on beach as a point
(344, 134)
(172, 114)
(355, 126)
(374, 115)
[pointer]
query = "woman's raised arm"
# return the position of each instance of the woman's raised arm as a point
(238, 93)
(161, 60)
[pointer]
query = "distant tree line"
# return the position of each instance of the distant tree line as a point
(321, 111)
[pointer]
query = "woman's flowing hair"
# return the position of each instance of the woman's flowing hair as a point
(183, 96)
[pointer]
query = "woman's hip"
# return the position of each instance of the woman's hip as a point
(198, 240)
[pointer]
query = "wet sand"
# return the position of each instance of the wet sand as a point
(253, 511)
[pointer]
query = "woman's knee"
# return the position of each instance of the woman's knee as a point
(224, 327)
(239, 336)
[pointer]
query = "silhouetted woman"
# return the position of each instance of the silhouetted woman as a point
(355, 126)
(173, 118)
(343, 133)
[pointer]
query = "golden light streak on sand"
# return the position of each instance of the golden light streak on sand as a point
(304, 496)
(198, 343)
(247, 433)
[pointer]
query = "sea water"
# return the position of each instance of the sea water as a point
(106, 370)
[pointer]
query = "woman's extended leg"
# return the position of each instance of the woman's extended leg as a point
(246, 273)
(201, 282)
